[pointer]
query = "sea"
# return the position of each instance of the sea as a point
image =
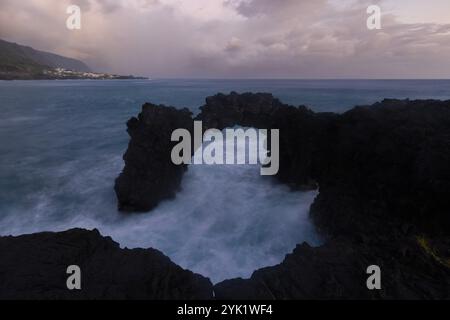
(61, 147)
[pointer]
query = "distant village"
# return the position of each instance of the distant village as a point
(61, 73)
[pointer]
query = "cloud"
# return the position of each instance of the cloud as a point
(259, 8)
(233, 38)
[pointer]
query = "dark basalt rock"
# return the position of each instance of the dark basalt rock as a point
(385, 162)
(149, 175)
(248, 110)
(385, 165)
(337, 270)
(301, 130)
(384, 179)
(34, 267)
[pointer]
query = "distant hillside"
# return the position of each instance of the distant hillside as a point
(21, 62)
(25, 63)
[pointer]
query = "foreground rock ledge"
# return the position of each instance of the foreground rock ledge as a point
(34, 267)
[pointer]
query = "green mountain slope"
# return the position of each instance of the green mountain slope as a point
(21, 62)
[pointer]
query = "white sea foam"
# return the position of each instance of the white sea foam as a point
(226, 222)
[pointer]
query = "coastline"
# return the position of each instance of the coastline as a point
(388, 218)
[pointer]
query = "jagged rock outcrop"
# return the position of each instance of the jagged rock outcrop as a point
(410, 269)
(386, 161)
(301, 130)
(383, 176)
(384, 183)
(149, 175)
(34, 267)
(386, 165)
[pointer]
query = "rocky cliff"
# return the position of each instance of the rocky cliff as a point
(34, 267)
(149, 175)
(387, 162)
(384, 182)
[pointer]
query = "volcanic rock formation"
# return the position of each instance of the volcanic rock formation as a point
(149, 175)
(34, 267)
(384, 183)
(384, 179)
(387, 162)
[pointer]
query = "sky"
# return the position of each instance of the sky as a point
(240, 38)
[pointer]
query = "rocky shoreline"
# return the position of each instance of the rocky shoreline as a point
(384, 183)
(387, 161)
(34, 267)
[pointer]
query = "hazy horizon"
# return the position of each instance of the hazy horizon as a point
(241, 39)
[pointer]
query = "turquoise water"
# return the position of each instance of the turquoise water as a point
(61, 146)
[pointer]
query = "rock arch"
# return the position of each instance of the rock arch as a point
(389, 160)
(149, 175)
